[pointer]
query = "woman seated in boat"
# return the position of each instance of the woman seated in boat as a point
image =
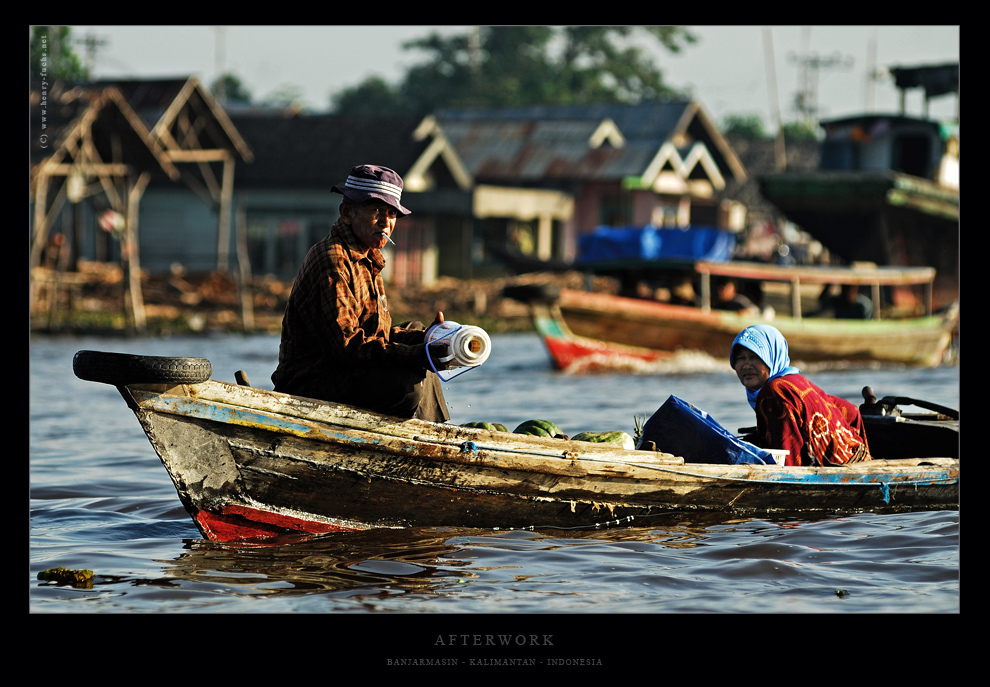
(848, 304)
(791, 412)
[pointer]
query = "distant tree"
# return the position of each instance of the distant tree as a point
(800, 131)
(287, 95)
(230, 87)
(744, 126)
(51, 55)
(522, 65)
(372, 96)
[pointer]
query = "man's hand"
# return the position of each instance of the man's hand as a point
(438, 350)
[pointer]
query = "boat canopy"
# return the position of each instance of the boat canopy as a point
(858, 275)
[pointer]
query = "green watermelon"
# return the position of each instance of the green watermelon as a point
(618, 438)
(539, 428)
(491, 426)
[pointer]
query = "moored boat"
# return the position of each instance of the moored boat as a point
(249, 462)
(586, 331)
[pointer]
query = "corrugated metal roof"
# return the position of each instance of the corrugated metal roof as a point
(541, 143)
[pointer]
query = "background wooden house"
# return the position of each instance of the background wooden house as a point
(660, 163)
(286, 205)
(91, 162)
(248, 191)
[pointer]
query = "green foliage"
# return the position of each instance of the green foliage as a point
(51, 56)
(522, 65)
(744, 126)
(286, 95)
(371, 97)
(800, 131)
(230, 87)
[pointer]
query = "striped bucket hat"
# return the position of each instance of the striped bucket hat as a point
(372, 181)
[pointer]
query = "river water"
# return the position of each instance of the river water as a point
(100, 500)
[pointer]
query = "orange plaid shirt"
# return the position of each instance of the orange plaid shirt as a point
(337, 324)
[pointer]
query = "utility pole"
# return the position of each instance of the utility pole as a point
(810, 64)
(219, 59)
(780, 152)
(91, 43)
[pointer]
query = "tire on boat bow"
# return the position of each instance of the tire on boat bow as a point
(125, 368)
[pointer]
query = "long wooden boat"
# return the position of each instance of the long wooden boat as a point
(586, 331)
(249, 462)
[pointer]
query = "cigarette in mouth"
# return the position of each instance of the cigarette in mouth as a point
(389, 238)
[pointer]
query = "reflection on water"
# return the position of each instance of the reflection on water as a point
(407, 560)
(421, 560)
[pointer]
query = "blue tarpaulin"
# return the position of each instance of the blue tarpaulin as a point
(651, 243)
(680, 428)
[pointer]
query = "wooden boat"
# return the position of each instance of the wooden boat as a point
(592, 331)
(886, 189)
(249, 462)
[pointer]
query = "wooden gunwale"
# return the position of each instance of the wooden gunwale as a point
(540, 454)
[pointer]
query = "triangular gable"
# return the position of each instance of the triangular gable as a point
(669, 161)
(695, 124)
(440, 147)
(92, 132)
(607, 133)
(186, 118)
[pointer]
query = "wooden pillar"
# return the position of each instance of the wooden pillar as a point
(706, 291)
(223, 226)
(40, 234)
(244, 268)
(135, 296)
(544, 237)
(796, 298)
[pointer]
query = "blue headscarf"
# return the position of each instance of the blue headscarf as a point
(768, 343)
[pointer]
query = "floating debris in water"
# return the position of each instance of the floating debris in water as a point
(77, 578)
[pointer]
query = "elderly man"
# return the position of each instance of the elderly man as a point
(338, 343)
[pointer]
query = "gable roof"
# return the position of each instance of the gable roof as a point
(316, 151)
(166, 105)
(584, 142)
(92, 128)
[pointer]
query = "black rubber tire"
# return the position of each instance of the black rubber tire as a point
(125, 368)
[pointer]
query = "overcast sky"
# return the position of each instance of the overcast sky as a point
(727, 70)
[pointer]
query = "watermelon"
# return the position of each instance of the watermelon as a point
(618, 438)
(539, 428)
(491, 426)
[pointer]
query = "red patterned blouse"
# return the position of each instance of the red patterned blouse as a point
(817, 429)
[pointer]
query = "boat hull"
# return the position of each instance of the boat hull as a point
(254, 463)
(624, 330)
